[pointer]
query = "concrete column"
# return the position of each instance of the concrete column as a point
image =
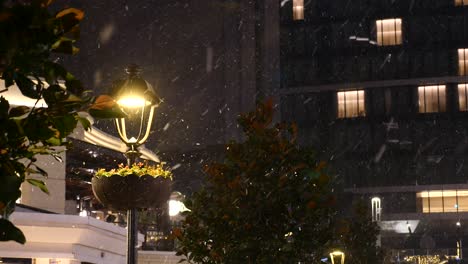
(240, 63)
(248, 91)
(269, 52)
(55, 182)
(232, 65)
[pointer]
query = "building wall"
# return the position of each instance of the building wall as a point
(158, 257)
(55, 182)
(393, 144)
(336, 42)
(393, 151)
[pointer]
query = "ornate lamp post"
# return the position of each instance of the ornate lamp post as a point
(138, 100)
(337, 257)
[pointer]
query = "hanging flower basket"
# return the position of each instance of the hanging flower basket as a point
(132, 187)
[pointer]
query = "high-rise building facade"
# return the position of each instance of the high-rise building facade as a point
(380, 88)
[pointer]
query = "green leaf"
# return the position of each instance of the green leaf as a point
(4, 107)
(69, 18)
(39, 150)
(74, 86)
(37, 129)
(10, 172)
(84, 122)
(53, 94)
(27, 87)
(65, 124)
(107, 113)
(9, 232)
(19, 111)
(53, 72)
(54, 141)
(41, 171)
(74, 32)
(73, 99)
(40, 184)
(8, 76)
(64, 46)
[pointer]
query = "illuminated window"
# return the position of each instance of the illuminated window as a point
(443, 201)
(389, 32)
(351, 104)
(376, 209)
(462, 61)
(463, 97)
(461, 2)
(298, 9)
(431, 99)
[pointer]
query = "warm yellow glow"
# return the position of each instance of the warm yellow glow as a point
(462, 61)
(351, 104)
(176, 207)
(462, 97)
(337, 257)
(389, 32)
(432, 99)
(461, 2)
(132, 101)
(439, 201)
(298, 9)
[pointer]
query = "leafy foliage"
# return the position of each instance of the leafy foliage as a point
(29, 34)
(271, 201)
(268, 202)
(138, 169)
(359, 236)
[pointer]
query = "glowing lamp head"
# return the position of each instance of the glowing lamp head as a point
(134, 91)
(176, 206)
(138, 100)
(132, 101)
(337, 257)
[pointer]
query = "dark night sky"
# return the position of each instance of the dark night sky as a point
(179, 45)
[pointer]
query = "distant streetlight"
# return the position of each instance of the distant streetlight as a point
(337, 257)
(138, 100)
(459, 241)
(176, 206)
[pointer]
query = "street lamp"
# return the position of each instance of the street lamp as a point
(459, 241)
(337, 257)
(138, 100)
(176, 206)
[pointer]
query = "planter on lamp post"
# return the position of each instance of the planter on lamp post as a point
(132, 191)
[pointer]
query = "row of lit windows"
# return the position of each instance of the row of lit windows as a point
(444, 201)
(431, 99)
(298, 8)
(388, 31)
(435, 201)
